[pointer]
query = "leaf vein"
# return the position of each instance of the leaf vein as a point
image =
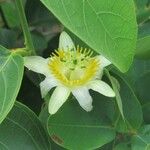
(29, 134)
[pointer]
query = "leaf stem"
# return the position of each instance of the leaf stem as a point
(27, 36)
(21, 51)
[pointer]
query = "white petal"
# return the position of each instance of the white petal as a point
(57, 99)
(84, 98)
(37, 64)
(65, 42)
(99, 74)
(103, 61)
(101, 87)
(47, 85)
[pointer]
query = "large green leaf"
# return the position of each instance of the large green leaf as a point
(131, 107)
(74, 128)
(21, 130)
(141, 141)
(107, 26)
(11, 72)
(43, 118)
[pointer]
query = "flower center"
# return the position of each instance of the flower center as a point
(73, 67)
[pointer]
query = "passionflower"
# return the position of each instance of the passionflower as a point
(71, 70)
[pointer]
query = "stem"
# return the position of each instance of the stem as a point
(21, 51)
(25, 28)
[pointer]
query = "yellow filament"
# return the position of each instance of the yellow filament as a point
(63, 63)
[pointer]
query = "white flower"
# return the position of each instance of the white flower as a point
(70, 70)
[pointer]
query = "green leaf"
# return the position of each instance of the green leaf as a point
(4, 52)
(11, 72)
(143, 43)
(143, 47)
(138, 69)
(142, 86)
(146, 112)
(109, 27)
(131, 107)
(141, 141)
(21, 130)
(56, 146)
(108, 146)
(139, 76)
(10, 13)
(144, 30)
(143, 12)
(43, 116)
(122, 146)
(141, 4)
(74, 128)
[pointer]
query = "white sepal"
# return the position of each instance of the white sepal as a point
(47, 85)
(103, 61)
(65, 42)
(83, 97)
(101, 87)
(59, 96)
(37, 64)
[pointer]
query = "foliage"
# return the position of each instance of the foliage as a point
(117, 29)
